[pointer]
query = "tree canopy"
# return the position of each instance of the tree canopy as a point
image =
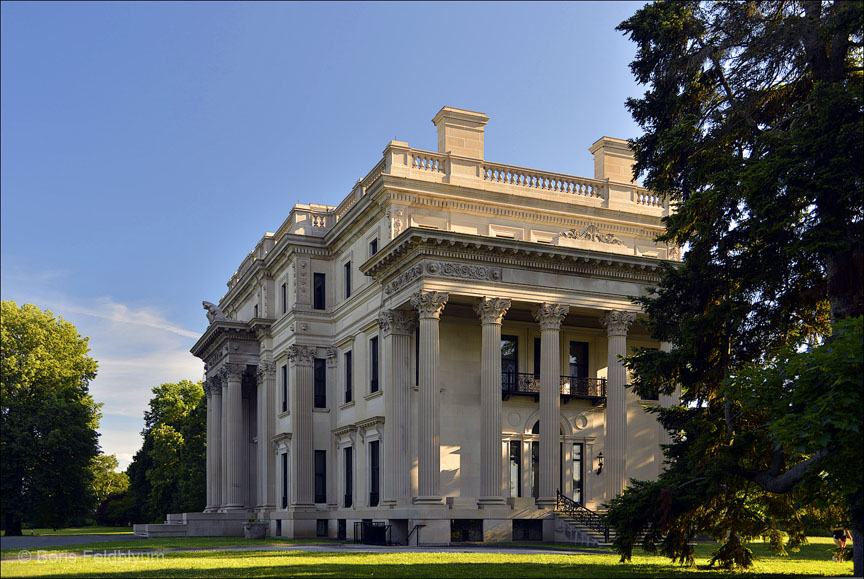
(168, 474)
(753, 120)
(48, 419)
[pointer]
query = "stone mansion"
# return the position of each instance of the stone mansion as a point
(437, 357)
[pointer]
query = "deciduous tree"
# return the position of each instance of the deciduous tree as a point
(753, 129)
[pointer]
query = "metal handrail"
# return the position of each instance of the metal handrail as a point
(408, 539)
(570, 386)
(582, 515)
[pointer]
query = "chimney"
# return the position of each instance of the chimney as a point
(460, 132)
(613, 160)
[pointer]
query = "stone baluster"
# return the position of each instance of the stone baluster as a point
(397, 327)
(266, 429)
(301, 360)
(236, 439)
(429, 306)
(550, 317)
(491, 312)
(615, 468)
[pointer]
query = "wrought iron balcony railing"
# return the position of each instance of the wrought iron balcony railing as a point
(525, 384)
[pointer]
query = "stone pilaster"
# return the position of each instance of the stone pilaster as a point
(333, 449)
(615, 469)
(223, 438)
(266, 429)
(491, 311)
(236, 439)
(213, 387)
(666, 401)
(429, 306)
(301, 360)
(396, 327)
(550, 317)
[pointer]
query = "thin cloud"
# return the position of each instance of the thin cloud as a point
(119, 313)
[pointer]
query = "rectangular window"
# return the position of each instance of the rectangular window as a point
(373, 359)
(373, 247)
(320, 476)
(515, 468)
(255, 314)
(537, 343)
(417, 355)
(578, 360)
(318, 290)
(284, 388)
(347, 280)
(577, 472)
(373, 473)
(535, 469)
(349, 377)
(284, 480)
(349, 477)
(320, 383)
(509, 363)
(284, 298)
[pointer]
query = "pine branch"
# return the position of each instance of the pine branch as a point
(784, 482)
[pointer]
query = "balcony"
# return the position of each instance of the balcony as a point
(525, 384)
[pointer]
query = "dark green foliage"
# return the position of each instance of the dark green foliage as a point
(753, 119)
(168, 474)
(48, 419)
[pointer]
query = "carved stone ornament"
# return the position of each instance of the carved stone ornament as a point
(214, 312)
(396, 322)
(550, 316)
(265, 370)
(332, 358)
(429, 304)
(673, 252)
(463, 271)
(591, 233)
(301, 355)
(234, 371)
(491, 310)
(616, 323)
(404, 279)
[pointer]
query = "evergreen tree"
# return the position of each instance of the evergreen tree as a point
(753, 129)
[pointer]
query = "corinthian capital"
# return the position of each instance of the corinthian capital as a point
(266, 370)
(550, 316)
(234, 371)
(301, 355)
(396, 322)
(616, 322)
(491, 310)
(429, 304)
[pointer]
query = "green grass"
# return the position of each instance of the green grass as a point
(173, 543)
(78, 531)
(812, 560)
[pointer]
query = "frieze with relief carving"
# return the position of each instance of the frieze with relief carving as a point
(591, 233)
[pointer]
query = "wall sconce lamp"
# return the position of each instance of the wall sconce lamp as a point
(599, 463)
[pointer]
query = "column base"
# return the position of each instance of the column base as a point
(428, 501)
(491, 502)
(546, 502)
(211, 509)
(233, 508)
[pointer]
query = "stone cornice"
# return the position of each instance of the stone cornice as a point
(448, 254)
(217, 333)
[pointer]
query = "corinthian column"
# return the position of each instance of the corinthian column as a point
(429, 306)
(550, 317)
(236, 440)
(396, 329)
(301, 359)
(223, 441)
(491, 312)
(213, 387)
(266, 429)
(616, 324)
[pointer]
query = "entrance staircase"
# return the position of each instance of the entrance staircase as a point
(580, 525)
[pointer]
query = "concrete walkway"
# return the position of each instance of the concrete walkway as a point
(42, 541)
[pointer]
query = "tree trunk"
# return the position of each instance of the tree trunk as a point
(857, 552)
(13, 526)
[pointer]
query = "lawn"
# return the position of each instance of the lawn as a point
(77, 531)
(812, 560)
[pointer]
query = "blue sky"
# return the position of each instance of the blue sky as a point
(146, 147)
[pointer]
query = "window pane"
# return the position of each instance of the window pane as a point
(318, 291)
(577, 472)
(515, 468)
(320, 476)
(373, 353)
(320, 383)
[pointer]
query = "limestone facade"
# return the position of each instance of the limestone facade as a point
(440, 350)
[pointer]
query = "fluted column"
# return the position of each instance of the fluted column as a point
(213, 387)
(301, 360)
(429, 306)
(550, 317)
(666, 401)
(223, 439)
(266, 429)
(491, 311)
(236, 440)
(397, 327)
(615, 468)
